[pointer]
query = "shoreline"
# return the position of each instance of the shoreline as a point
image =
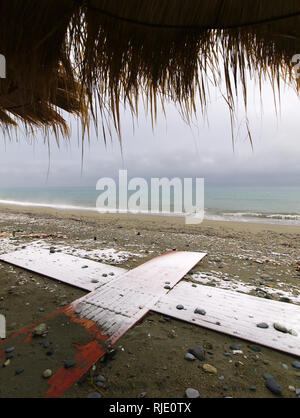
(179, 221)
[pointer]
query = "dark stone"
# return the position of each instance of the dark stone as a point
(69, 363)
(235, 347)
(9, 356)
(10, 350)
(180, 307)
(200, 311)
(19, 371)
(273, 386)
(198, 352)
(296, 364)
(284, 299)
(262, 325)
(256, 348)
(94, 395)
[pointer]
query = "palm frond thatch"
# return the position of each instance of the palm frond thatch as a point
(88, 57)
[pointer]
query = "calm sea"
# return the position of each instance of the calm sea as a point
(249, 204)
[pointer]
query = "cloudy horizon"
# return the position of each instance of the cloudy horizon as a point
(172, 149)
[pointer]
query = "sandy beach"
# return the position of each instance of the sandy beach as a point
(258, 259)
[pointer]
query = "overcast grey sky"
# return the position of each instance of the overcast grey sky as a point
(173, 149)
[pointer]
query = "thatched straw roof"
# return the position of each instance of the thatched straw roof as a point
(88, 57)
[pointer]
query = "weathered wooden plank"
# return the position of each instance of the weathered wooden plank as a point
(235, 314)
(118, 305)
(76, 271)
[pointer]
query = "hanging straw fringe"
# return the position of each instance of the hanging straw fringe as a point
(90, 57)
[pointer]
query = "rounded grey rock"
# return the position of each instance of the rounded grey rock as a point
(200, 311)
(192, 393)
(189, 357)
(262, 325)
(94, 395)
(296, 364)
(280, 328)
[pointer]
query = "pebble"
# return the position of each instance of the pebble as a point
(142, 395)
(262, 325)
(280, 328)
(94, 395)
(267, 376)
(200, 311)
(208, 368)
(42, 310)
(253, 388)
(180, 307)
(273, 386)
(198, 352)
(40, 330)
(10, 350)
(192, 393)
(296, 365)
(6, 363)
(235, 347)
(255, 348)
(189, 357)
(95, 281)
(284, 299)
(19, 371)
(100, 378)
(47, 373)
(69, 363)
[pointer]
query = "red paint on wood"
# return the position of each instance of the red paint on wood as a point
(64, 378)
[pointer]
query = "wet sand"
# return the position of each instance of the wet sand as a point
(150, 357)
